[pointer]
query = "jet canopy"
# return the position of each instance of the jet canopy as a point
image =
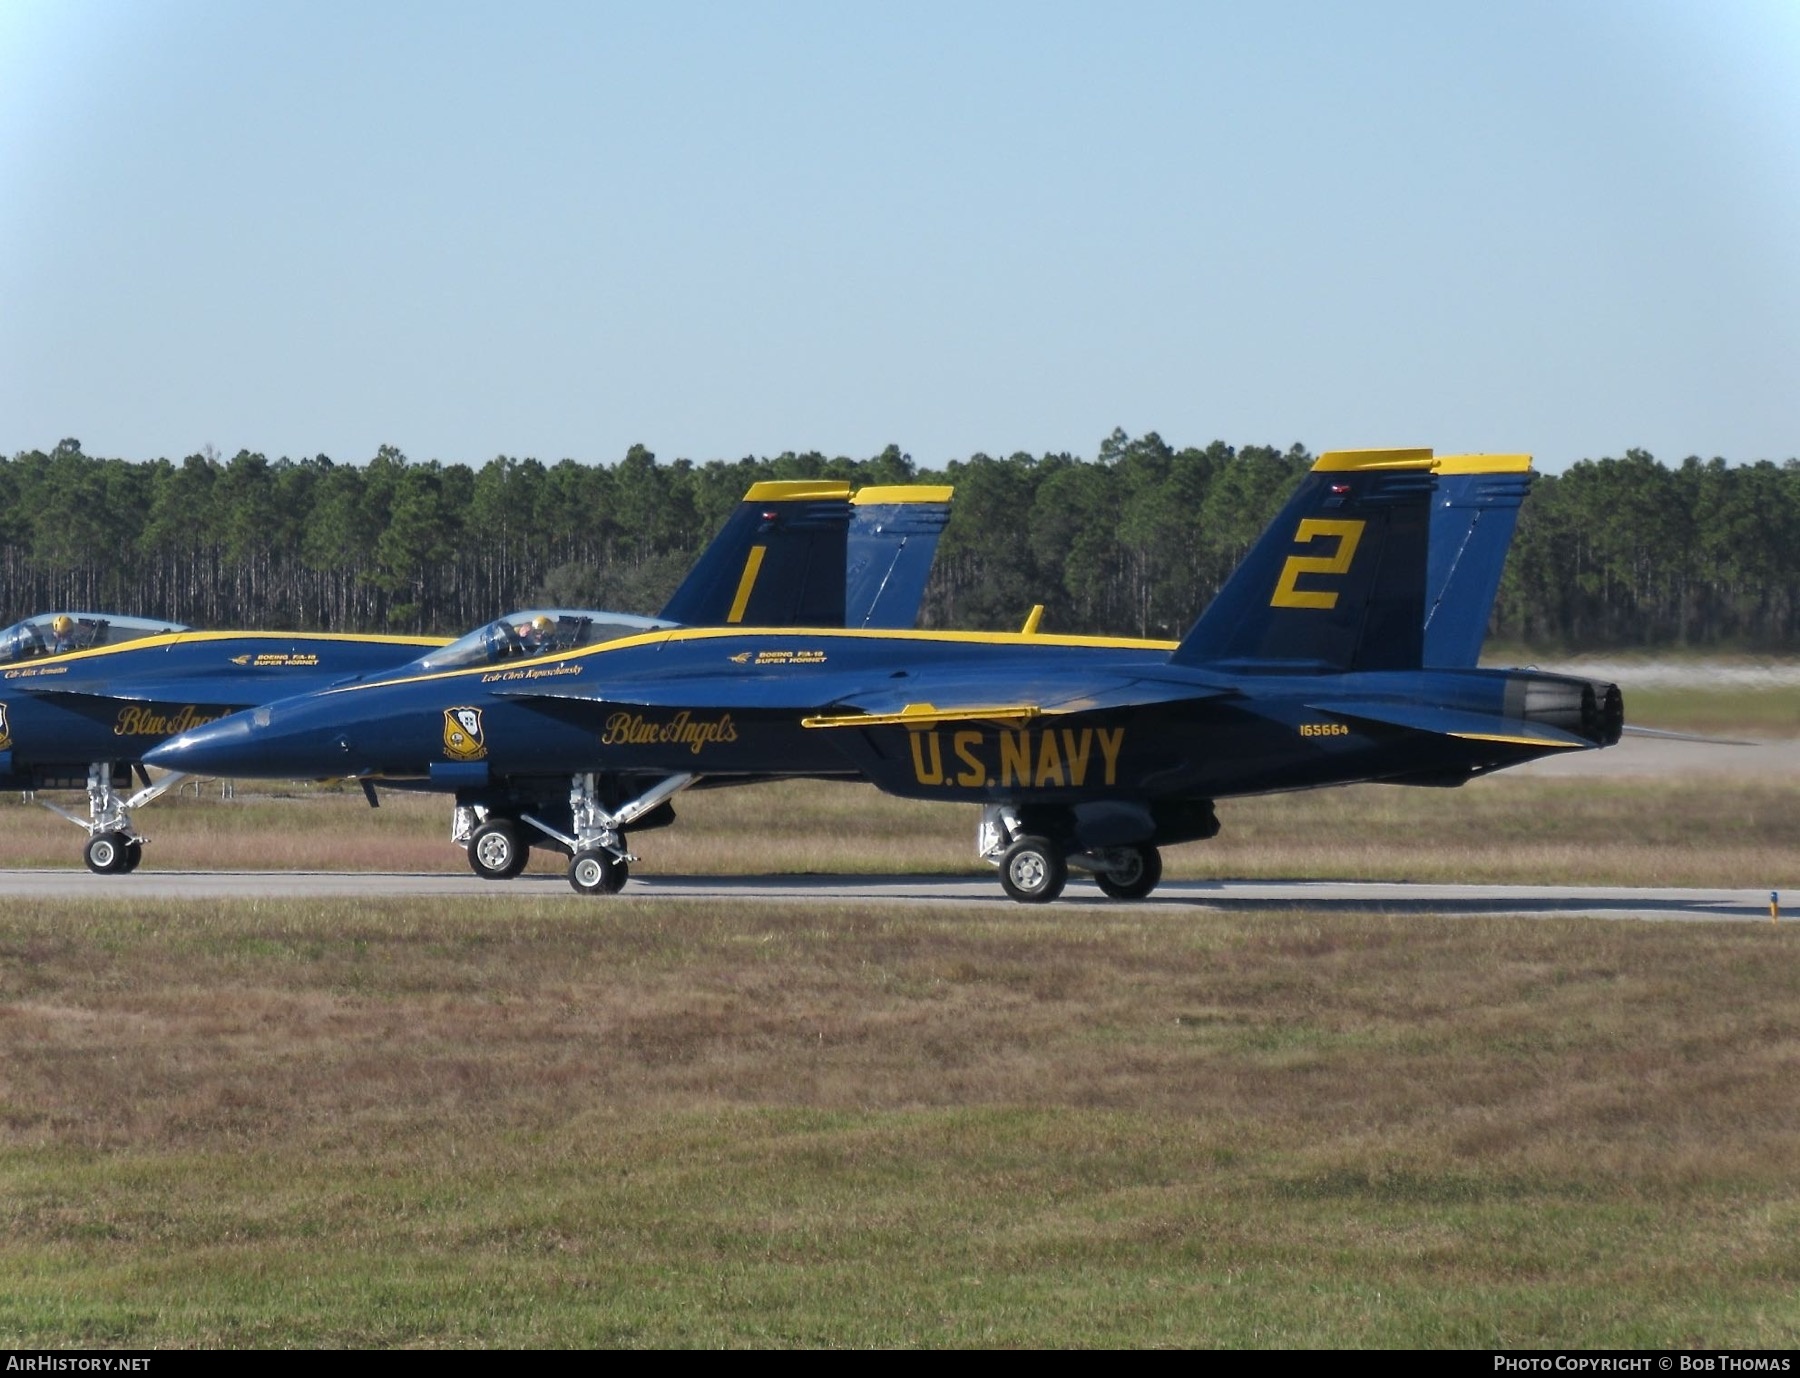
(53, 633)
(534, 633)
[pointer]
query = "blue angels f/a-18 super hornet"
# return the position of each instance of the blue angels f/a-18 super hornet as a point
(84, 695)
(795, 554)
(1308, 669)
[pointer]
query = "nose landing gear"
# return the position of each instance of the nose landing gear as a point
(114, 845)
(498, 845)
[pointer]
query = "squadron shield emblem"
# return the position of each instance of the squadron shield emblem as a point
(5, 730)
(463, 739)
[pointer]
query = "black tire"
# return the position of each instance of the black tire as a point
(1033, 871)
(497, 851)
(1133, 881)
(134, 853)
(598, 873)
(105, 853)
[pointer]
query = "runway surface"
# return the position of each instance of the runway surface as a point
(1325, 897)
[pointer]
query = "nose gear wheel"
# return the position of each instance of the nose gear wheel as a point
(598, 873)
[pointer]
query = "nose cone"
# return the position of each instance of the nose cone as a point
(292, 740)
(226, 746)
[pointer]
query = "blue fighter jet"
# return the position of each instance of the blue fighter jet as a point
(795, 554)
(1308, 669)
(84, 695)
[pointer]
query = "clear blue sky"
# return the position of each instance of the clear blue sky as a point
(307, 226)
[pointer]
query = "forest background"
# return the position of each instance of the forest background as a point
(1615, 553)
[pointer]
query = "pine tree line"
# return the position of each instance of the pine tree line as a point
(1613, 553)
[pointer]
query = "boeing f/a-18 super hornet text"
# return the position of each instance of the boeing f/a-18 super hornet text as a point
(84, 695)
(1312, 667)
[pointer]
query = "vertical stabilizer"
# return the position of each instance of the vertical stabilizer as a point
(777, 562)
(893, 540)
(1337, 581)
(1473, 516)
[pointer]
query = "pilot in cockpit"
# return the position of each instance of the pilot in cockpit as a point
(62, 634)
(535, 635)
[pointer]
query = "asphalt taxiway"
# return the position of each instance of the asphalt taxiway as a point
(1324, 897)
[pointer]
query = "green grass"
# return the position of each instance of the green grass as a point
(663, 1123)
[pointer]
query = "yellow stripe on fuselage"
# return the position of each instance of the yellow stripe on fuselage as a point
(165, 640)
(791, 636)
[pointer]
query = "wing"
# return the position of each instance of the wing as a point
(910, 698)
(928, 698)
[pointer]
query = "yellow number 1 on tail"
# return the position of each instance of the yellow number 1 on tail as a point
(1348, 533)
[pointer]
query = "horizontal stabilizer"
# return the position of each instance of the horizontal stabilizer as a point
(1452, 722)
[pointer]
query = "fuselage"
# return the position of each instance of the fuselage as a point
(722, 703)
(114, 703)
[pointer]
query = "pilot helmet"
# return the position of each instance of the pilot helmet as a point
(63, 624)
(543, 624)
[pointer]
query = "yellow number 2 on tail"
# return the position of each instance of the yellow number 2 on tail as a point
(1348, 533)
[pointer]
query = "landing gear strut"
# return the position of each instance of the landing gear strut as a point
(114, 845)
(1034, 868)
(595, 843)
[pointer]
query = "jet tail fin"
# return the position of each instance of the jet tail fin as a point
(777, 562)
(1337, 581)
(1473, 516)
(893, 540)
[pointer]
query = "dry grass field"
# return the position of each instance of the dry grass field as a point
(641, 1122)
(1735, 831)
(666, 1123)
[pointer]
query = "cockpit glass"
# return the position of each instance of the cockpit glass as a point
(54, 633)
(534, 634)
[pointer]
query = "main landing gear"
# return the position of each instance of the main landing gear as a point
(497, 851)
(114, 845)
(498, 845)
(1035, 868)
